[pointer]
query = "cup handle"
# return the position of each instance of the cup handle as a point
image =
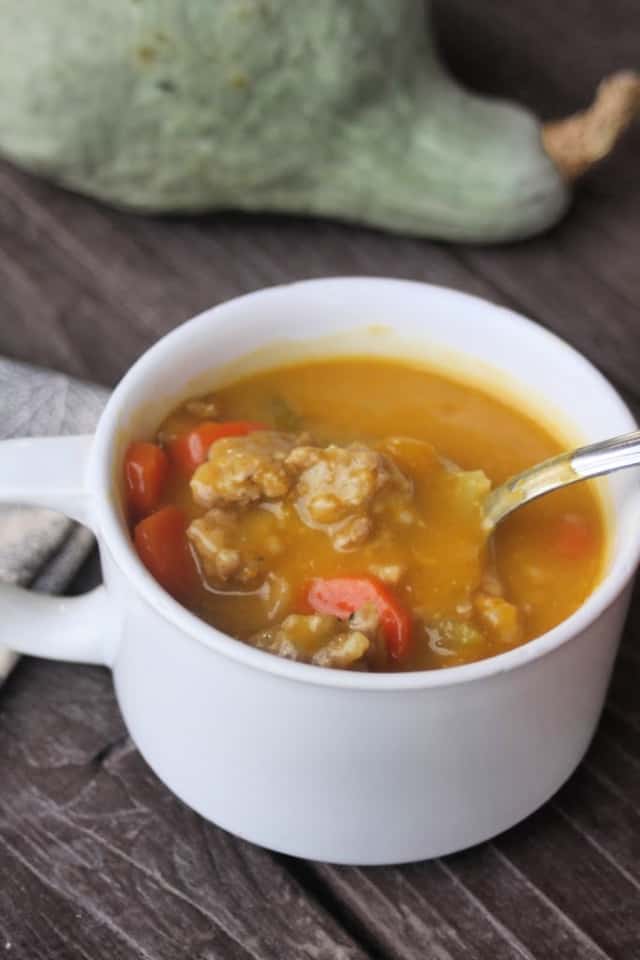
(50, 472)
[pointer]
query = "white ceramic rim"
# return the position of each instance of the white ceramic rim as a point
(119, 543)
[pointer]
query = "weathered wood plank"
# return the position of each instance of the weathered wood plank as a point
(608, 819)
(413, 909)
(570, 298)
(623, 694)
(132, 278)
(89, 831)
(580, 878)
(481, 900)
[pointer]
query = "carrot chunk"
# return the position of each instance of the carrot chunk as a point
(342, 596)
(145, 468)
(161, 542)
(573, 537)
(191, 449)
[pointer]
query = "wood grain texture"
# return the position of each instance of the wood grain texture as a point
(97, 858)
(92, 835)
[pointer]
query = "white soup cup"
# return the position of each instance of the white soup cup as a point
(327, 764)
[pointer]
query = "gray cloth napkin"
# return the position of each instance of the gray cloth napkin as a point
(38, 548)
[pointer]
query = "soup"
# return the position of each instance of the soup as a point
(331, 512)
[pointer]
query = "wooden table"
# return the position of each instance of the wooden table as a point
(97, 858)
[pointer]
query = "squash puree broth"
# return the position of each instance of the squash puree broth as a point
(544, 560)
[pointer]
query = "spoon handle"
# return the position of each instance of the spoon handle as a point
(606, 456)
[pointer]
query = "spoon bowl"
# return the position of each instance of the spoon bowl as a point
(606, 456)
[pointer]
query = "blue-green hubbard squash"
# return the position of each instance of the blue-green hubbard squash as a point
(330, 107)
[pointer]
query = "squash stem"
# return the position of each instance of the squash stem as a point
(577, 142)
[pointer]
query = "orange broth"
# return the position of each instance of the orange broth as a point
(547, 557)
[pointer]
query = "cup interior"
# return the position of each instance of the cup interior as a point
(474, 340)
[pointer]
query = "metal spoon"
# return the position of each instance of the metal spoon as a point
(561, 471)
